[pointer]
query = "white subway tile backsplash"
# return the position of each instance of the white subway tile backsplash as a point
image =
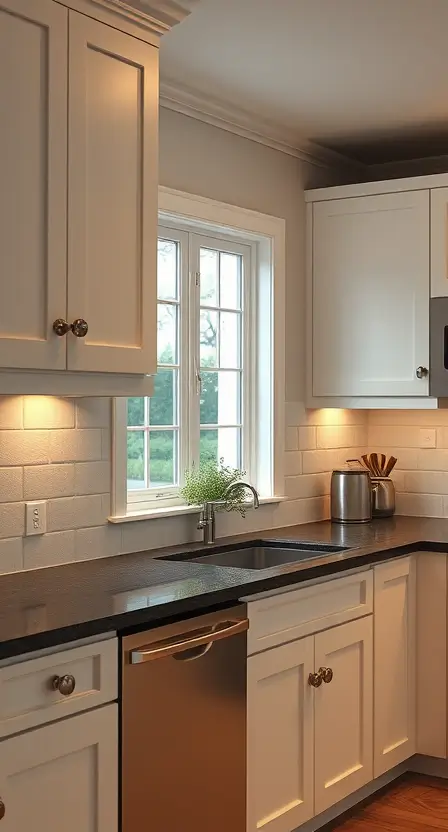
(12, 519)
(93, 413)
(76, 512)
(426, 482)
(340, 436)
(293, 463)
(11, 485)
(11, 413)
(43, 412)
(315, 462)
(420, 505)
(432, 459)
(291, 439)
(98, 542)
(307, 438)
(397, 436)
(48, 549)
(75, 445)
(92, 477)
(18, 447)
(45, 481)
(11, 555)
(307, 485)
(418, 418)
(106, 444)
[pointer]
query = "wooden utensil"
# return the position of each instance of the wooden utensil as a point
(375, 465)
(366, 462)
(390, 465)
(382, 464)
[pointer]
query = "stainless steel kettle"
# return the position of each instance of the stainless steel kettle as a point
(351, 496)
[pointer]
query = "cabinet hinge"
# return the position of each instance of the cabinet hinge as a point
(197, 278)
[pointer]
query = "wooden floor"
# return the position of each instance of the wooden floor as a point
(414, 804)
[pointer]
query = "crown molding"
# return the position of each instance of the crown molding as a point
(159, 16)
(221, 114)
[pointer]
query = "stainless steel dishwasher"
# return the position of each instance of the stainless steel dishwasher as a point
(184, 726)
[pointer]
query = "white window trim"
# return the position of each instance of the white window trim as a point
(267, 234)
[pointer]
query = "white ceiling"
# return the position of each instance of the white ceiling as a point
(340, 73)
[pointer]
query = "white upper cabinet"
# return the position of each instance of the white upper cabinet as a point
(112, 198)
(33, 162)
(370, 295)
(439, 243)
(78, 199)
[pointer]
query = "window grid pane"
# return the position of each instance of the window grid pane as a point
(154, 436)
(220, 349)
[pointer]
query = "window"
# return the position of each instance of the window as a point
(200, 407)
(219, 389)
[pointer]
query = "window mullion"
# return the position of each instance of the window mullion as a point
(195, 361)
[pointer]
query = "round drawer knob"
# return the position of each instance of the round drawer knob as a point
(61, 327)
(2, 809)
(64, 684)
(315, 679)
(421, 372)
(326, 673)
(80, 328)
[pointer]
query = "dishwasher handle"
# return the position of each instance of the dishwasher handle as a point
(177, 644)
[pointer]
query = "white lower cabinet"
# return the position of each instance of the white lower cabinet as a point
(343, 712)
(280, 737)
(62, 775)
(309, 746)
(395, 664)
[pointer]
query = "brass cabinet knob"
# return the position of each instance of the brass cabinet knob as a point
(64, 684)
(421, 372)
(79, 327)
(61, 327)
(315, 679)
(2, 809)
(326, 673)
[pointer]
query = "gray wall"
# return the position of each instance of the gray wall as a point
(201, 159)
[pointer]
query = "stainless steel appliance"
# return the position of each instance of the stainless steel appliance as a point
(438, 349)
(184, 726)
(351, 496)
(383, 497)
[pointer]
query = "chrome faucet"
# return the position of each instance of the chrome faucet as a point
(207, 521)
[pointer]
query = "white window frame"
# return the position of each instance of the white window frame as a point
(264, 399)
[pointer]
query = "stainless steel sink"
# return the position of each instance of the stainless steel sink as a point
(265, 556)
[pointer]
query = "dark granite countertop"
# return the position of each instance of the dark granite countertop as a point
(49, 606)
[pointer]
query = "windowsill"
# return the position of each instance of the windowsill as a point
(175, 511)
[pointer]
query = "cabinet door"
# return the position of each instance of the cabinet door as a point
(280, 737)
(371, 295)
(394, 667)
(112, 237)
(63, 776)
(33, 176)
(343, 713)
(439, 243)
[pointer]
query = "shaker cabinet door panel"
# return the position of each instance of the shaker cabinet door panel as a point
(343, 711)
(370, 295)
(112, 242)
(394, 667)
(280, 737)
(62, 776)
(33, 176)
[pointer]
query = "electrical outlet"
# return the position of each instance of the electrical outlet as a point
(427, 438)
(36, 517)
